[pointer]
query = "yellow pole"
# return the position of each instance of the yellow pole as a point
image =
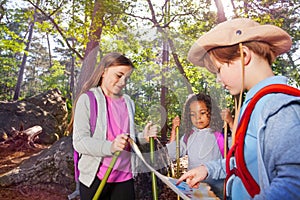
(106, 175)
(225, 139)
(177, 155)
(153, 177)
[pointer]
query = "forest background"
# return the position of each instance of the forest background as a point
(46, 44)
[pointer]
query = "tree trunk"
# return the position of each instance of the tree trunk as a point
(72, 77)
(164, 91)
(92, 48)
(220, 11)
(49, 50)
(179, 66)
(168, 43)
(22, 67)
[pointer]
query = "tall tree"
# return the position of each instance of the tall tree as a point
(162, 19)
(165, 64)
(22, 67)
(220, 11)
(92, 48)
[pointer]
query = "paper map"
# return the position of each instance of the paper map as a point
(183, 190)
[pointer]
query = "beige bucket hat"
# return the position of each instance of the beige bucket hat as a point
(233, 32)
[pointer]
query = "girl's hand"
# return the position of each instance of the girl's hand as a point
(150, 130)
(227, 117)
(194, 176)
(175, 123)
(119, 143)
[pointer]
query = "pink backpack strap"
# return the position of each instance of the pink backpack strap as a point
(76, 170)
(186, 136)
(93, 111)
(220, 140)
(93, 120)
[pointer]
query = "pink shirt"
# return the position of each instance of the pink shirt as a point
(118, 122)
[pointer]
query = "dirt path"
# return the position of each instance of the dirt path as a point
(11, 157)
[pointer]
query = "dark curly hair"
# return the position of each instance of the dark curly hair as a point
(213, 112)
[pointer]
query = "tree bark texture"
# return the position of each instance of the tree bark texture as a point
(92, 48)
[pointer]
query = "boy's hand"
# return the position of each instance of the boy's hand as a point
(194, 176)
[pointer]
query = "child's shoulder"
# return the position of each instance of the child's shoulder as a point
(278, 101)
(126, 96)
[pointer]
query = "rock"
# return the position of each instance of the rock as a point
(52, 165)
(47, 110)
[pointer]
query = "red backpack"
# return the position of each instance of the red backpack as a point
(237, 149)
(76, 156)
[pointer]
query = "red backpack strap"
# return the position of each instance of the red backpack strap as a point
(220, 140)
(242, 171)
(93, 111)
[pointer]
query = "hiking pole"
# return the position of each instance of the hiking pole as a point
(177, 155)
(225, 153)
(225, 138)
(106, 175)
(153, 177)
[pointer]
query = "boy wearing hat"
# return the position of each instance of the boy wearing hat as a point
(240, 52)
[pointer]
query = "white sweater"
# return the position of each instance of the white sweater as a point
(201, 147)
(92, 149)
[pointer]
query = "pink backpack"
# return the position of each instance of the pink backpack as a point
(93, 120)
(220, 140)
(76, 156)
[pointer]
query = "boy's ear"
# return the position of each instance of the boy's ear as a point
(247, 55)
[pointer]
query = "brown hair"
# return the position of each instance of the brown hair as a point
(109, 60)
(229, 53)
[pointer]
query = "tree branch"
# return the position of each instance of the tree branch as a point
(57, 28)
(179, 66)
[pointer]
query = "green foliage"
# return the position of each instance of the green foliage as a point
(129, 28)
(55, 77)
(284, 14)
(12, 46)
(8, 76)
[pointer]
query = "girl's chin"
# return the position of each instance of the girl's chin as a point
(201, 127)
